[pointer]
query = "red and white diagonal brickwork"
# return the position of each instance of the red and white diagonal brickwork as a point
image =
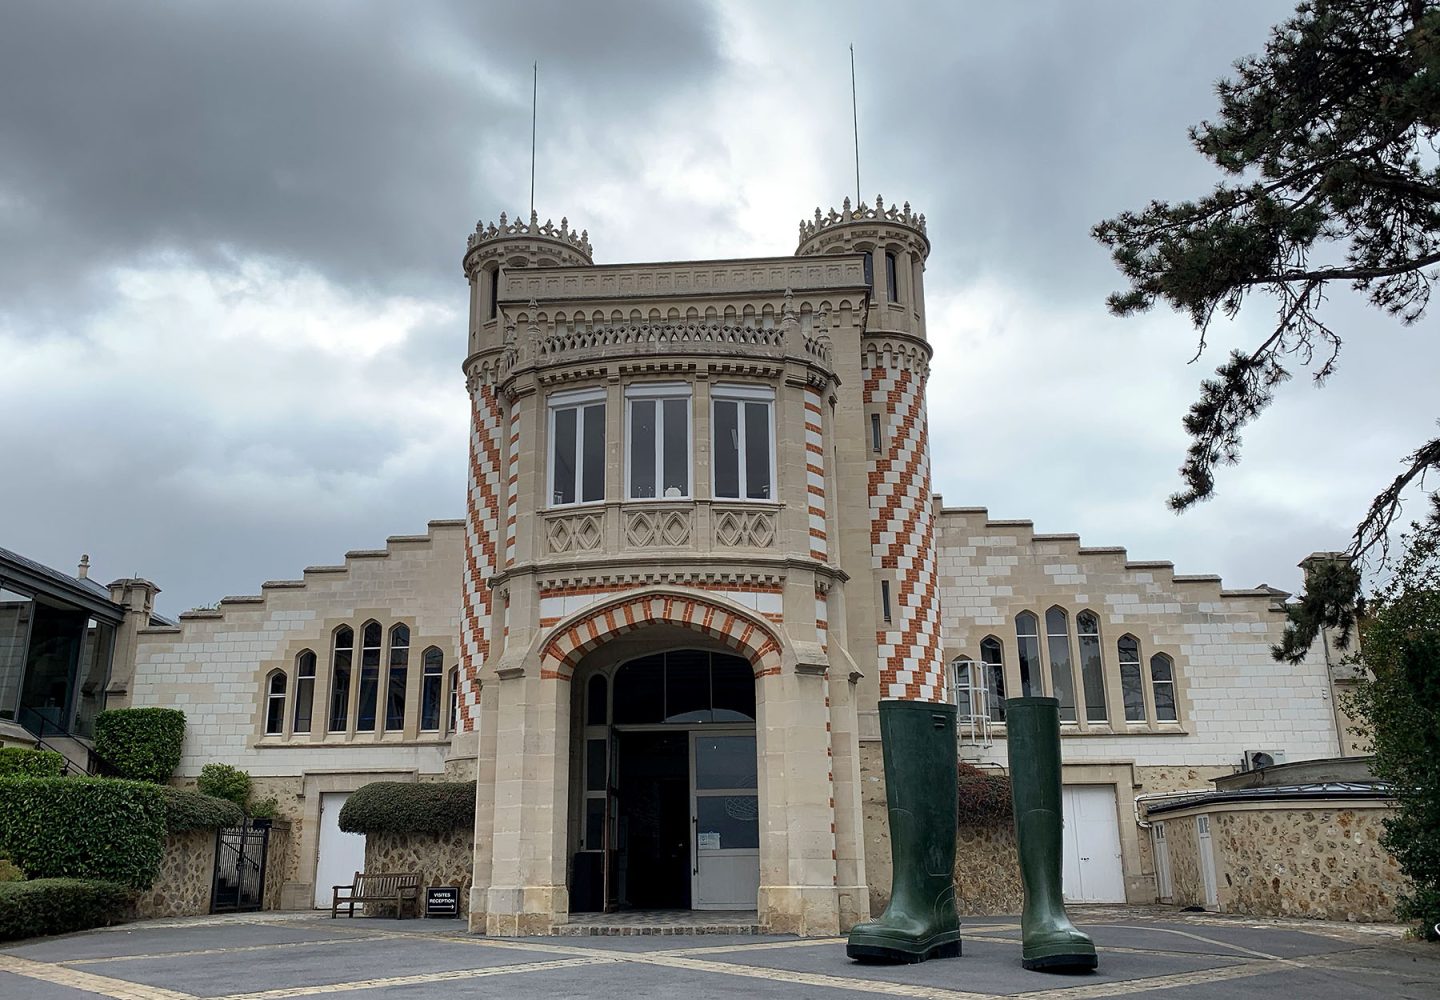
(482, 538)
(815, 473)
(902, 538)
(512, 503)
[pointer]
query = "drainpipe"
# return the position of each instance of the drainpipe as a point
(1145, 824)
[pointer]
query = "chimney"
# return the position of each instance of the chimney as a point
(84, 573)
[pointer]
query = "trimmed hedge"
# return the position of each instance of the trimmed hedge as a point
(90, 828)
(143, 744)
(59, 905)
(225, 782)
(187, 809)
(23, 762)
(407, 807)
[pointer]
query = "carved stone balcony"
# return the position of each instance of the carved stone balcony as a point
(634, 340)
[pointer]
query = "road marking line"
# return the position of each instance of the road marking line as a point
(419, 979)
(106, 986)
(757, 946)
(1202, 977)
(218, 951)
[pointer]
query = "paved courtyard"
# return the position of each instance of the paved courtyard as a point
(279, 956)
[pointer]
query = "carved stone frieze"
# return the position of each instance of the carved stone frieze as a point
(741, 528)
(673, 528)
(569, 533)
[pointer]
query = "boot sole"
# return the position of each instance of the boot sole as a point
(897, 954)
(1074, 962)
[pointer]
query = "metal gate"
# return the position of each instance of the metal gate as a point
(239, 884)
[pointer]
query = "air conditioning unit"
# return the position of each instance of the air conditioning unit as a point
(1254, 760)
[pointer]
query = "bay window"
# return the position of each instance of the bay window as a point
(742, 431)
(657, 446)
(577, 446)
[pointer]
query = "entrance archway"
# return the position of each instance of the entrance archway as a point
(666, 796)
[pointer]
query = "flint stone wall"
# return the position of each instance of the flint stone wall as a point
(187, 871)
(1324, 863)
(440, 858)
(987, 871)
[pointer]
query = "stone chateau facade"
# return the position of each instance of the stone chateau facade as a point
(700, 545)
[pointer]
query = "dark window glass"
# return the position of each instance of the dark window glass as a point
(431, 682)
(494, 292)
(594, 824)
(725, 762)
(875, 433)
(399, 673)
(676, 445)
(1162, 675)
(727, 448)
(1092, 668)
(892, 281)
(1062, 677)
(455, 699)
(732, 686)
(563, 456)
(735, 818)
(642, 448)
(595, 765)
(304, 690)
(275, 704)
(369, 679)
(870, 270)
(687, 686)
(592, 475)
(992, 657)
(1027, 636)
(757, 451)
(885, 600)
(640, 691)
(340, 679)
(1132, 685)
(595, 692)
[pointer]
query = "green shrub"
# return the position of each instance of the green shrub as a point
(59, 905)
(11, 872)
(267, 808)
(225, 782)
(143, 744)
(22, 762)
(405, 807)
(187, 809)
(91, 828)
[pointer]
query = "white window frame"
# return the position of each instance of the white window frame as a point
(272, 696)
(741, 394)
(578, 400)
(658, 392)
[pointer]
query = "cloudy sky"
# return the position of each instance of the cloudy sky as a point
(231, 306)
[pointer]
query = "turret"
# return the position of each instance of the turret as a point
(895, 246)
(492, 249)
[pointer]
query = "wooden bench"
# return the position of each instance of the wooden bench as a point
(388, 888)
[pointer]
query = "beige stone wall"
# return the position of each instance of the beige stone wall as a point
(441, 859)
(187, 871)
(987, 871)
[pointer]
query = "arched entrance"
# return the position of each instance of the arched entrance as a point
(665, 779)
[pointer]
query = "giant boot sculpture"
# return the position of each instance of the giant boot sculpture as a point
(918, 740)
(1051, 941)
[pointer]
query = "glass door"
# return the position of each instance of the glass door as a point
(725, 819)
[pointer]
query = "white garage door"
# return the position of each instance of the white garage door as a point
(341, 854)
(1092, 871)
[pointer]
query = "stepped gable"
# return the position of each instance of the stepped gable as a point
(1203, 586)
(248, 601)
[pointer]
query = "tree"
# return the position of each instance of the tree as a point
(1326, 138)
(1397, 697)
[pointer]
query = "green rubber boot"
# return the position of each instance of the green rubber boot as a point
(918, 740)
(1051, 941)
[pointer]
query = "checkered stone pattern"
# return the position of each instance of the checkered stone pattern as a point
(815, 473)
(747, 637)
(902, 538)
(512, 485)
(482, 536)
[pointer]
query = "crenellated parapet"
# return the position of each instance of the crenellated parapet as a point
(541, 244)
(842, 228)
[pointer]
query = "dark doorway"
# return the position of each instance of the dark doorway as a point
(653, 808)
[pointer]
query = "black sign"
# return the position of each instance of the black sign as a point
(442, 901)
